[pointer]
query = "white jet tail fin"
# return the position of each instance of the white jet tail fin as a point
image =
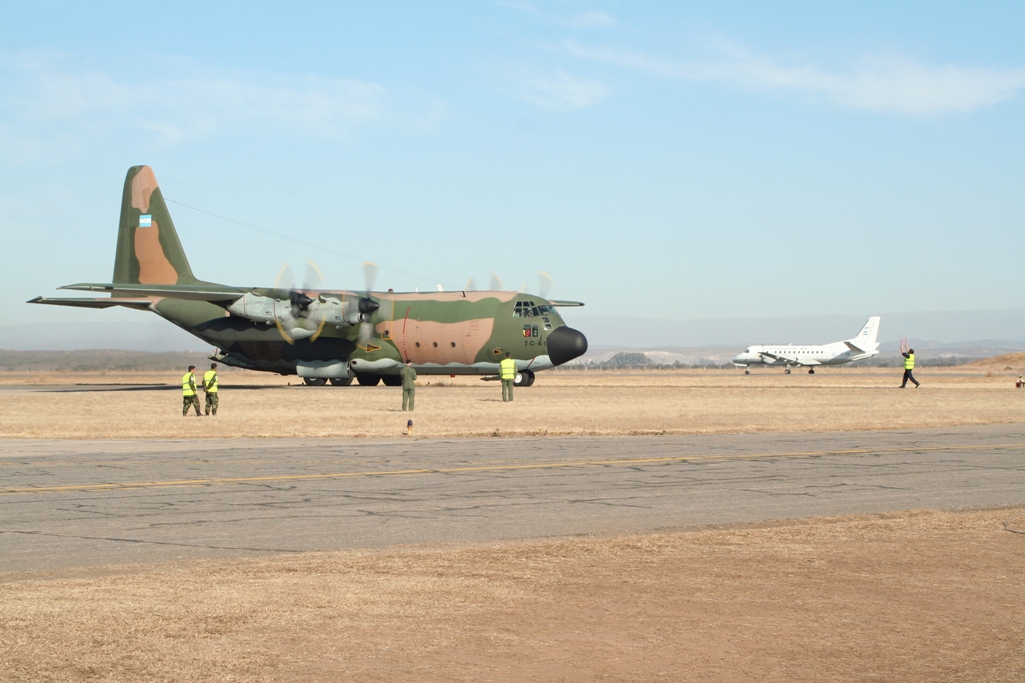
(865, 341)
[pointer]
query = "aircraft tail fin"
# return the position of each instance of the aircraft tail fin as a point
(148, 248)
(865, 341)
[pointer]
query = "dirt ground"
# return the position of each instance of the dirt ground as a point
(905, 596)
(258, 405)
(913, 596)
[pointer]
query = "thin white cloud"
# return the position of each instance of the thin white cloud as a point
(558, 91)
(881, 83)
(198, 102)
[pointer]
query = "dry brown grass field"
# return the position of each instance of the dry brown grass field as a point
(565, 403)
(914, 596)
(904, 596)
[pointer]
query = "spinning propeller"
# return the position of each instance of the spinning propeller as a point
(366, 307)
(298, 312)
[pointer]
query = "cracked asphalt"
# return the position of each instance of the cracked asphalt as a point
(71, 504)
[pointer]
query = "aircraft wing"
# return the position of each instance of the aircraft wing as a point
(106, 302)
(775, 356)
(216, 294)
(787, 359)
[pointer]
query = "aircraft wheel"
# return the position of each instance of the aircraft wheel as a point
(787, 371)
(811, 371)
(368, 380)
(747, 372)
(392, 380)
(314, 381)
(341, 381)
(524, 378)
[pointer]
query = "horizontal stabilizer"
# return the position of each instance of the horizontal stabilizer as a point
(133, 302)
(191, 292)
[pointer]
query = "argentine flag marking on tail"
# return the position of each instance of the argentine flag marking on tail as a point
(145, 220)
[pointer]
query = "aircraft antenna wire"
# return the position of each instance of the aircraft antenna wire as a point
(313, 245)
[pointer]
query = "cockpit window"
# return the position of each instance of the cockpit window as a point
(528, 309)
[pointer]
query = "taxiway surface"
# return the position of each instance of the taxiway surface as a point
(67, 504)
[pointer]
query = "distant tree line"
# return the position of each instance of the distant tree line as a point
(97, 361)
(636, 360)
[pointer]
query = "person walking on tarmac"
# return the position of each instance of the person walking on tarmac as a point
(508, 368)
(909, 364)
(210, 387)
(189, 397)
(408, 375)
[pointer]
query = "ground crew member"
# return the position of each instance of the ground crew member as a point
(189, 397)
(408, 375)
(909, 364)
(210, 387)
(508, 368)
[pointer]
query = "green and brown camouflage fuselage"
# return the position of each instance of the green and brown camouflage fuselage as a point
(319, 334)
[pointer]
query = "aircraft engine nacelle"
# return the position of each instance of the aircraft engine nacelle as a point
(265, 309)
(261, 309)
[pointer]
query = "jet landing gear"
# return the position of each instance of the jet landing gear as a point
(811, 371)
(786, 370)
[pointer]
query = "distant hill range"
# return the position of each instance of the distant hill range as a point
(947, 337)
(956, 336)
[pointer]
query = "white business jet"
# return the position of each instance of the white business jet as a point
(864, 345)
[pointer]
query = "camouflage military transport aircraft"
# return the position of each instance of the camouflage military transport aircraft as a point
(323, 335)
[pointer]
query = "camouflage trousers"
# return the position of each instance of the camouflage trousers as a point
(408, 396)
(211, 403)
(189, 401)
(507, 388)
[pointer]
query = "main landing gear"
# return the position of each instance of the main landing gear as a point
(321, 381)
(524, 378)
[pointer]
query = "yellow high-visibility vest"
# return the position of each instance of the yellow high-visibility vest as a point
(210, 381)
(188, 384)
(909, 362)
(508, 366)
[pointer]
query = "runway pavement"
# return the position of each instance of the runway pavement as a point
(67, 504)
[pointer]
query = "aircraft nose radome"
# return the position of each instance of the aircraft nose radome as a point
(565, 344)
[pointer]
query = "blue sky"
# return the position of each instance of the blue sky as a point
(665, 160)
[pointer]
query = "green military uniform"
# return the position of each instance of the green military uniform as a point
(408, 375)
(189, 397)
(508, 368)
(210, 387)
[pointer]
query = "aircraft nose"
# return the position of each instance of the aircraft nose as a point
(565, 344)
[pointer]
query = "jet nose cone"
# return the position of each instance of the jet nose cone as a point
(565, 344)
